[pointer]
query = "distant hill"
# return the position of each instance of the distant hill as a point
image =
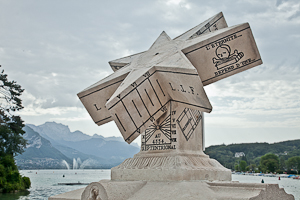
(55, 142)
(58, 132)
(40, 153)
(225, 154)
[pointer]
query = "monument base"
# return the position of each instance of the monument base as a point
(170, 167)
(152, 190)
(173, 176)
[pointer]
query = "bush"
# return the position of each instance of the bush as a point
(13, 177)
(27, 182)
(2, 182)
(8, 162)
(2, 170)
(10, 178)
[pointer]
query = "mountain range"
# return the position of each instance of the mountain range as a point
(53, 146)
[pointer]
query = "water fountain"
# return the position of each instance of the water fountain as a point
(76, 163)
(65, 163)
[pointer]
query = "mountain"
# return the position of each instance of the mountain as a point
(81, 149)
(114, 151)
(56, 132)
(39, 153)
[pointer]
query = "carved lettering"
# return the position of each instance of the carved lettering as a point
(158, 147)
(147, 74)
(182, 89)
(134, 84)
(164, 109)
(172, 87)
(97, 107)
(192, 89)
(222, 41)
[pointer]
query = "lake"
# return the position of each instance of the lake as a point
(44, 183)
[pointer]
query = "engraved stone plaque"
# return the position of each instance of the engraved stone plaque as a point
(225, 53)
(174, 130)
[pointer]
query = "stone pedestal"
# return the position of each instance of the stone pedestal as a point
(176, 190)
(172, 165)
(168, 167)
(171, 150)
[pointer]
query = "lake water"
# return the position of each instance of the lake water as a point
(44, 183)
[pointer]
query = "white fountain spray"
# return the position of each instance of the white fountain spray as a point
(78, 163)
(65, 163)
(74, 164)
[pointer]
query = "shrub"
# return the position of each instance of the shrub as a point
(10, 178)
(26, 182)
(13, 177)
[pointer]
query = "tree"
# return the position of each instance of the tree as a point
(243, 165)
(252, 167)
(269, 162)
(294, 163)
(282, 165)
(236, 167)
(11, 140)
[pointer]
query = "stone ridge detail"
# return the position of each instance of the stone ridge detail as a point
(170, 162)
(185, 167)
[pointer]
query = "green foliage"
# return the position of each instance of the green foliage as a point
(294, 163)
(243, 165)
(269, 163)
(225, 154)
(236, 168)
(11, 140)
(282, 164)
(26, 181)
(10, 178)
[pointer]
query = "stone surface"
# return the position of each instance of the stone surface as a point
(188, 190)
(223, 53)
(171, 149)
(178, 130)
(74, 195)
(170, 168)
(146, 99)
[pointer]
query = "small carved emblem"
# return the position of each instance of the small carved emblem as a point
(188, 121)
(225, 57)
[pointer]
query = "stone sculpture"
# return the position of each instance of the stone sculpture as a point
(159, 95)
(138, 93)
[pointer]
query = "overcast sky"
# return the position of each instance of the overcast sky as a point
(56, 48)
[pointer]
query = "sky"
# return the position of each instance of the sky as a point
(55, 49)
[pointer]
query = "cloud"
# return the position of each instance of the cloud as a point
(55, 49)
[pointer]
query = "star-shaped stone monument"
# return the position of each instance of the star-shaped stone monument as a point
(137, 93)
(159, 94)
